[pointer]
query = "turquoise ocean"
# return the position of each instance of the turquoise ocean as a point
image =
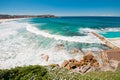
(25, 41)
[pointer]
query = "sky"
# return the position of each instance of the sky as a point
(61, 7)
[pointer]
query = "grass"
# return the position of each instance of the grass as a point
(63, 74)
(37, 72)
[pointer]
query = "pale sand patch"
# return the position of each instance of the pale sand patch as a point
(115, 41)
(4, 20)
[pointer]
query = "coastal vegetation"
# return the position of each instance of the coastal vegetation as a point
(36, 72)
(24, 73)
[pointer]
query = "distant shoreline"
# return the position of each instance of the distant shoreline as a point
(6, 17)
(10, 19)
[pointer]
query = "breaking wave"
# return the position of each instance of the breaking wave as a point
(81, 39)
(102, 30)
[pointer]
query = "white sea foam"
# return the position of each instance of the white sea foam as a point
(22, 50)
(10, 28)
(111, 30)
(87, 30)
(102, 30)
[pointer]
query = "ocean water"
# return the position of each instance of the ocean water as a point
(25, 41)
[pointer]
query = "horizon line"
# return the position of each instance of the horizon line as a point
(68, 15)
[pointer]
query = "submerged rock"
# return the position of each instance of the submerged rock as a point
(45, 57)
(59, 47)
(74, 50)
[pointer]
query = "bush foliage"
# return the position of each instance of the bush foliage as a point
(37, 72)
(24, 73)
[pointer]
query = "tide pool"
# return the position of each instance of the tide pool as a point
(111, 34)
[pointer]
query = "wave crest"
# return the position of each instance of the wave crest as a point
(82, 39)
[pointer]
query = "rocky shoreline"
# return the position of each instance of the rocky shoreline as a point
(90, 63)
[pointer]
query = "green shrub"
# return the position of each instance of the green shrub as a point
(24, 73)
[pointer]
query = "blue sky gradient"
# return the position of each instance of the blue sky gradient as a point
(61, 7)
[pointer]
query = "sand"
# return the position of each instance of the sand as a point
(4, 20)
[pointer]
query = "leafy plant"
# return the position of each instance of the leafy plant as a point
(24, 73)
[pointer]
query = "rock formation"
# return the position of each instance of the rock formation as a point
(88, 63)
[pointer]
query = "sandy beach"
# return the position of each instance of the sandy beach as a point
(4, 20)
